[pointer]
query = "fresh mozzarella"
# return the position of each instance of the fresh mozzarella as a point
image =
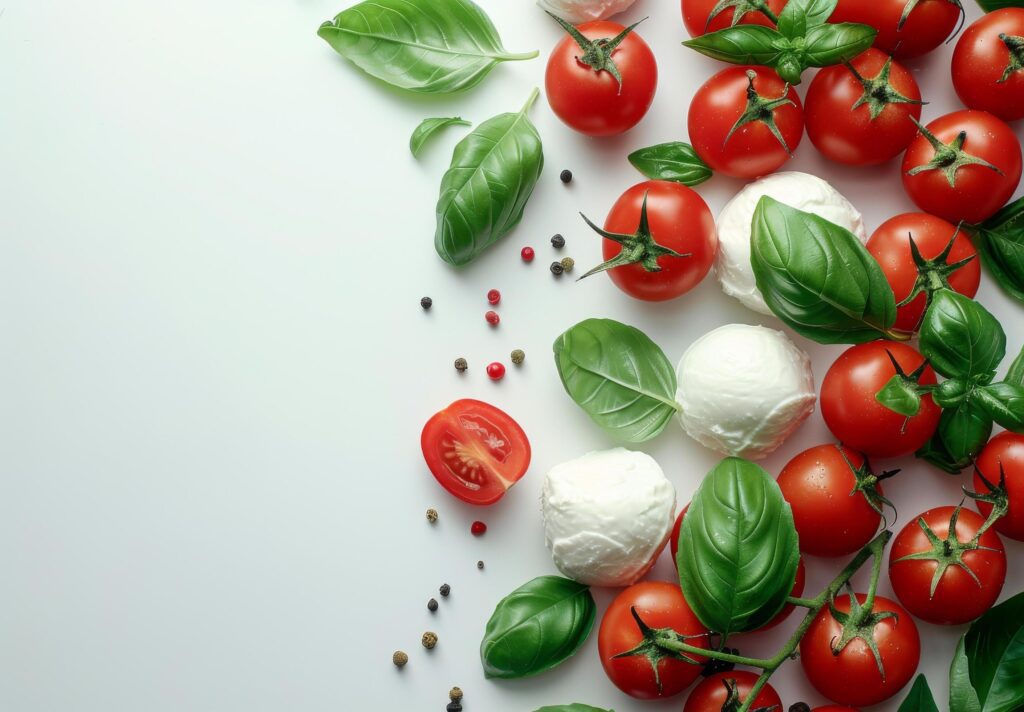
(577, 11)
(607, 516)
(744, 389)
(799, 190)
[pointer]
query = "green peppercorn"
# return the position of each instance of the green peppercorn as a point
(518, 356)
(557, 268)
(461, 365)
(558, 242)
(399, 658)
(429, 640)
(431, 515)
(568, 263)
(455, 694)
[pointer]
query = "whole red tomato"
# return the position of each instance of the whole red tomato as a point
(582, 85)
(1003, 454)
(927, 26)
(952, 580)
(850, 675)
(723, 690)
(698, 18)
(890, 246)
(660, 241)
(860, 114)
(963, 166)
(987, 70)
(835, 498)
(746, 122)
(853, 413)
(660, 605)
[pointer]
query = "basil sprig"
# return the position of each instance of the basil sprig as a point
(536, 627)
(804, 39)
(738, 549)
(675, 161)
(994, 652)
(920, 698)
(1000, 241)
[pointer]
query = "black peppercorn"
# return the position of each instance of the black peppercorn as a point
(480, 565)
(566, 176)
(454, 707)
(426, 302)
(432, 605)
(461, 365)
(558, 242)
(800, 707)
(445, 590)
(557, 268)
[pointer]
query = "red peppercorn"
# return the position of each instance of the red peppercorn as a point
(496, 371)
(528, 254)
(478, 528)
(493, 296)
(492, 318)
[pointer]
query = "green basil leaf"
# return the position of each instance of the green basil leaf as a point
(1003, 403)
(798, 15)
(960, 338)
(900, 396)
(536, 627)
(961, 434)
(430, 46)
(1015, 374)
(990, 5)
(1000, 241)
(620, 377)
(962, 696)
(818, 277)
(577, 707)
(429, 127)
(740, 44)
(675, 161)
(484, 192)
(829, 44)
(920, 698)
(994, 646)
(738, 548)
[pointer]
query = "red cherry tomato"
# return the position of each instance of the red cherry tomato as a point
(851, 676)
(737, 140)
(927, 26)
(679, 220)
(475, 451)
(855, 416)
(593, 101)
(978, 190)
(1004, 452)
(890, 246)
(698, 18)
(866, 120)
(714, 692)
(963, 592)
(985, 73)
(660, 605)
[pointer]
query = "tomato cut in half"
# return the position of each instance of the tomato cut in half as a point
(475, 451)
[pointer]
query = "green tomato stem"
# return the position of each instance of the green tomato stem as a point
(802, 602)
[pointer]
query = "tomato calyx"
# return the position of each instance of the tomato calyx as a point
(654, 653)
(879, 91)
(1015, 46)
(998, 496)
(597, 54)
(912, 5)
(741, 8)
(762, 110)
(732, 698)
(902, 393)
(949, 157)
(638, 248)
(860, 623)
(867, 484)
(933, 275)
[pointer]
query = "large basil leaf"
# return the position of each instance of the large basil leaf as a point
(738, 548)
(962, 696)
(1003, 403)
(990, 5)
(961, 434)
(675, 161)
(920, 698)
(484, 192)
(740, 44)
(960, 338)
(576, 707)
(1015, 374)
(830, 44)
(429, 127)
(431, 46)
(536, 627)
(994, 646)
(619, 376)
(818, 277)
(799, 15)
(1000, 240)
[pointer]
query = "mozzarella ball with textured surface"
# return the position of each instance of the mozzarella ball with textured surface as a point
(577, 11)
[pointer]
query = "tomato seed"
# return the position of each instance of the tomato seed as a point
(495, 371)
(493, 296)
(478, 529)
(527, 254)
(492, 318)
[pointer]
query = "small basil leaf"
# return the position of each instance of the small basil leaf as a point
(738, 549)
(1003, 403)
(1000, 241)
(994, 646)
(962, 696)
(740, 44)
(577, 707)
(826, 45)
(961, 434)
(990, 5)
(920, 698)
(536, 627)
(429, 46)
(485, 190)
(900, 396)
(960, 338)
(798, 15)
(1016, 373)
(429, 127)
(818, 277)
(675, 161)
(619, 376)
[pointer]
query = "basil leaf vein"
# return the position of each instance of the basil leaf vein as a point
(960, 338)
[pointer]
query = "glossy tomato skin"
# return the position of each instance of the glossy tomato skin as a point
(680, 220)
(697, 12)
(958, 598)
(980, 60)
(890, 246)
(849, 135)
(855, 416)
(852, 677)
(979, 191)
(661, 605)
(594, 103)
(831, 517)
(1006, 449)
(475, 451)
(752, 151)
(927, 27)
(711, 694)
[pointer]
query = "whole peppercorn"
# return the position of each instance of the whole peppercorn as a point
(557, 268)
(455, 694)
(495, 371)
(429, 640)
(432, 605)
(527, 254)
(558, 242)
(426, 302)
(493, 296)
(800, 707)
(480, 565)
(492, 318)
(431, 515)
(445, 590)
(478, 529)
(461, 365)
(518, 356)
(568, 263)
(454, 707)
(566, 176)
(399, 658)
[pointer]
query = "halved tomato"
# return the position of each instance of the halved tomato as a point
(475, 451)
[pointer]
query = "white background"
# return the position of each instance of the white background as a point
(214, 369)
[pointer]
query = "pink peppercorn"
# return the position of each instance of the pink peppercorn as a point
(493, 296)
(496, 371)
(527, 254)
(478, 528)
(492, 318)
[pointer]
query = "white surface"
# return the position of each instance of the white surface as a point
(213, 242)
